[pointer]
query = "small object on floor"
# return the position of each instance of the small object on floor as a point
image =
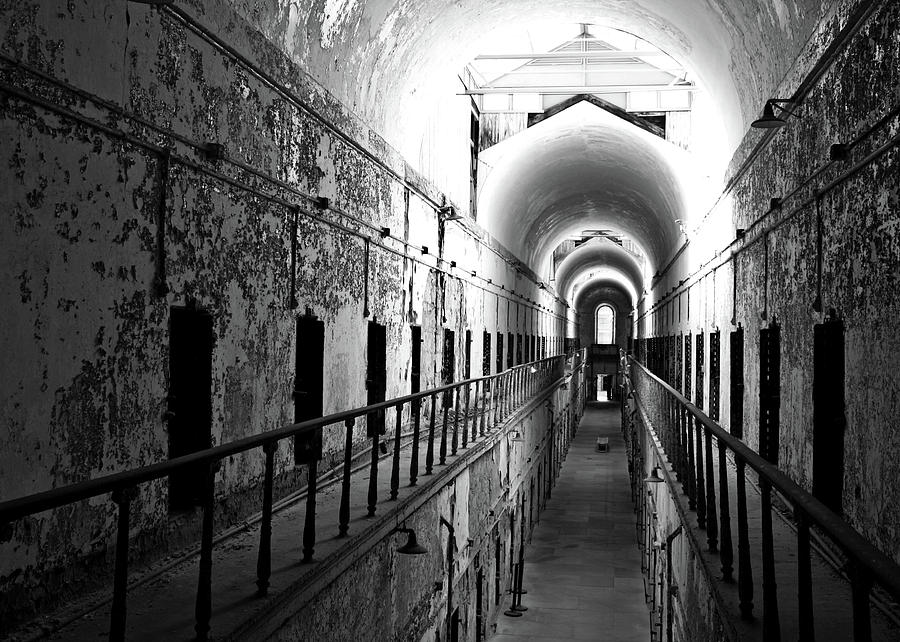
(603, 444)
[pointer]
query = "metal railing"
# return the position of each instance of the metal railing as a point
(690, 439)
(469, 410)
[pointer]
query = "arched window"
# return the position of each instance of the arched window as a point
(605, 324)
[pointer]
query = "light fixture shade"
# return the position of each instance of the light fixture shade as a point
(653, 477)
(412, 546)
(768, 120)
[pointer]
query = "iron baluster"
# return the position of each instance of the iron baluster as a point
(344, 513)
(691, 489)
(456, 403)
(395, 465)
(415, 408)
(804, 580)
(373, 475)
(701, 481)
(309, 520)
(771, 625)
(712, 526)
(745, 570)
(429, 450)
(122, 498)
(264, 558)
(203, 605)
(726, 553)
(444, 409)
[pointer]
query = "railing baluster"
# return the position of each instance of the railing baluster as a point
(203, 605)
(395, 465)
(478, 412)
(745, 570)
(415, 408)
(445, 409)
(344, 514)
(122, 497)
(712, 527)
(804, 580)
(771, 625)
(309, 521)
(455, 441)
(691, 489)
(264, 558)
(726, 552)
(373, 472)
(429, 450)
(700, 500)
(465, 431)
(861, 586)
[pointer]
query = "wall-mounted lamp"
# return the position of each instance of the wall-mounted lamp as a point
(769, 120)
(839, 152)
(653, 477)
(449, 213)
(412, 546)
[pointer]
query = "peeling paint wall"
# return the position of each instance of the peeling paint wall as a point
(109, 195)
(771, 274)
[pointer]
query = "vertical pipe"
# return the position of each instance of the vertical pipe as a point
(395, 464)
(726, 552)
(203, 605)
(712, 526)
(745, 570)
(264, 558)
(122, 498)
(344, 513)
(804, 580)
(771, 625)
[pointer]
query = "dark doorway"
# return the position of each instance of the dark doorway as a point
(714, 375)
(486, 353)
(448, 367)
(376, 376)
(737, 383)
(499, 352)
(467, 364)
(415, 369)
(519, 348)
(769, 391)
(308, 369)
(510, 350)
(190, 401)
(479, 605)
(688, 366)
(828, 413)
(698, 392)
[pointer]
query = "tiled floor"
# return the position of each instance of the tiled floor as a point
(583, 567)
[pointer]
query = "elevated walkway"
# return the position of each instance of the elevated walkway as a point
(583, 565)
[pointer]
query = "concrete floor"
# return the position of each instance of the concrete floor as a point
(583, 566)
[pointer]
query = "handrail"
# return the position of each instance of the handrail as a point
(464, 413)
(19, 507)
(886, 570)
(686, 433)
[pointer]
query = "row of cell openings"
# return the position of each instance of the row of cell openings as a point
(189, 413)
(680, 360)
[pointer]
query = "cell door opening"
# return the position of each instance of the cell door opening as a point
(828, 413)
(479, 605)
(499, 352)
(737, 383)
(308, 380)
(415, 367)
(376, 376)
(467, 360)
(769, 391)
(486, 353)
(510, 350)
(448, 366)
(190, 401)
(519, 348)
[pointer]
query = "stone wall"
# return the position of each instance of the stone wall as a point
(117, 209)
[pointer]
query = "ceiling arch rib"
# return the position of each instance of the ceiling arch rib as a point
(585, 168)
(593, 254)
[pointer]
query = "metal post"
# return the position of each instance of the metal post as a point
(344, 513)
(264, 558)
(122, 498)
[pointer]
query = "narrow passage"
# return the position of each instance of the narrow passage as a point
(583, 566)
